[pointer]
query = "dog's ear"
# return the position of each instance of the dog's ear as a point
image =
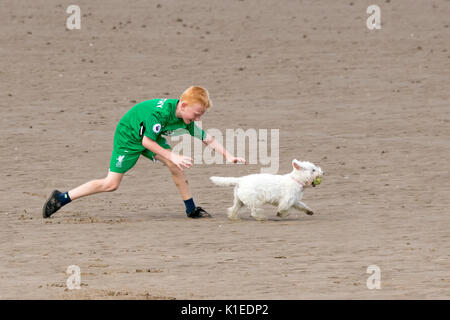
(296, 164)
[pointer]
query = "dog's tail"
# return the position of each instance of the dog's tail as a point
(225, 181)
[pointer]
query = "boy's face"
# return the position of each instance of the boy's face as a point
(192, 112)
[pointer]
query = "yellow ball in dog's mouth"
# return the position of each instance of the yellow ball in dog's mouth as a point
(317, 181)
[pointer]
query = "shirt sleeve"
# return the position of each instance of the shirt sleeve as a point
(151, 127)
(195, 131)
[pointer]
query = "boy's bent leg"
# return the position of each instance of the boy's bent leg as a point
(56, 199)
(121, 161)
(178, 177)
(183, 188)
(108, 184)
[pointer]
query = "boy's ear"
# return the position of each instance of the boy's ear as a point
(296, 165)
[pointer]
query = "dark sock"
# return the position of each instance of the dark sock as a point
(190, 205)
(64, 198)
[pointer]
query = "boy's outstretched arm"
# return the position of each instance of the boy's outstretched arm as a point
(213, 144)
(179, 160)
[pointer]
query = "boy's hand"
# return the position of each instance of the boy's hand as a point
(212, 143)
(236, 160)
(181, 161)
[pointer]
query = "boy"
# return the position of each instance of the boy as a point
(139, 133)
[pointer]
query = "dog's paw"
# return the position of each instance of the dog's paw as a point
(260, 217)
(232, 216)
(309, 212)
(282, 214)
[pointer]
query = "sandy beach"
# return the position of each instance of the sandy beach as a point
(370, 107)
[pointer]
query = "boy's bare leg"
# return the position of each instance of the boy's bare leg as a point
(110, 183)
(59, 199)
(183, 188)
(178, 177)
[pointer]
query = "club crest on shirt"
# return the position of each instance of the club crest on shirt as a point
(157, 128)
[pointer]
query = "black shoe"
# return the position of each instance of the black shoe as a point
(52, 205)
(198, 213)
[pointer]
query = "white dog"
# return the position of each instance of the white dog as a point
(283, 191)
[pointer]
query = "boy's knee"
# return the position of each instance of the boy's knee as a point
(173, 168)
(110, 186)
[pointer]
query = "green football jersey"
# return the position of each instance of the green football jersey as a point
(151, 118)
